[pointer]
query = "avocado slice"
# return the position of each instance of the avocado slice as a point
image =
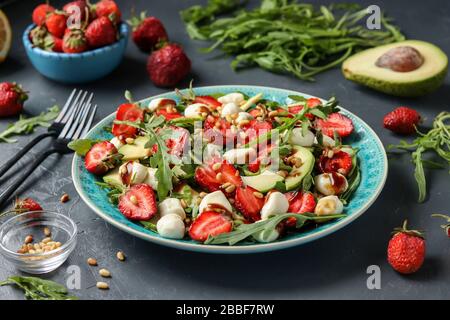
(136, 150)
(113, 178)
(371, 68)
(263, 182)
(296, 176)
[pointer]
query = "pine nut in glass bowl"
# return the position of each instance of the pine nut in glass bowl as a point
(38, 242)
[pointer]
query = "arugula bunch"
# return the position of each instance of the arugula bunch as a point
(285, 36)
(437, 140)
(27, 125)
(39, 289)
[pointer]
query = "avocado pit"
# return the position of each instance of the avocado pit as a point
(401, 59)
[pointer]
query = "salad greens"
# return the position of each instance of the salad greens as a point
(437, 140)
(81, 146)
(285, 36)
(27, 125)
(39, 289)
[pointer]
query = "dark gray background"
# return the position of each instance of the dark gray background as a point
(333, 267)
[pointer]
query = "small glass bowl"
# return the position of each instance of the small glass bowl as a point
(14, 231)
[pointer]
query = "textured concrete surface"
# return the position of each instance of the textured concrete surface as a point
(333, 267)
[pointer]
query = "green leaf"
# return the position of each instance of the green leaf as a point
(81, 146)
(39, 289)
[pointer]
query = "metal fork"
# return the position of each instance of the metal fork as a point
(75, 99)
(79, 120)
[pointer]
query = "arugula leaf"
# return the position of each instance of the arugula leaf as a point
(149, 225)
(81, 146)
(39, 289)
(27, 125)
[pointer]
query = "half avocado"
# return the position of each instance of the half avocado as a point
(407, 68)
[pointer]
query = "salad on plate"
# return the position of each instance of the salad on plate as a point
(226, 168)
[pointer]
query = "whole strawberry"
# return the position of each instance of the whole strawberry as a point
(168, 65)
(406, 250)
(27, 204)
(147, 32)
(38, 36)
(108, 9)
(101, 32)
(53, 44)
(40, 13)
(12, 98)
(69, 8)
(56, 23)
(74, 41)
(402, 120)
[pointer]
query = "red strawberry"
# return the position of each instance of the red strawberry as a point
(25, 205)
(12, 98)
(341, 162)
(211, 102)
(406, 250)
(138, 203)
(229, 174)
(53, 43)
(74, 41)
(101, 32)
(168, 115)
(256, 128)
(56, 23)
(248, 203)
(168, 65)
(313, 102)
(299, 202)
(40, 13)
(254, 166)
(209, 223)
(212, 180)
(217, 130)
(108, 9)
(402, 120)
(101, 158)
(178, 143)
(127, 112)
(148, 32)
(335, 122)
(80, 4)
(205, 176)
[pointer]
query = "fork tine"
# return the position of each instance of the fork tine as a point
(66, 106)
(82, 122)
(78, 120)
(89, 122)
(75, 110)
(74, 107)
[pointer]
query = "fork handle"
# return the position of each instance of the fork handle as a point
(16, 184)
(6, 166)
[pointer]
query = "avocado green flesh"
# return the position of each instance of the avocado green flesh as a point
(296, 176)
(136, 150)
(361, 68)
(113, 178)
(263, 182)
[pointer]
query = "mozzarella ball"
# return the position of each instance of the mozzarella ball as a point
(297, 137)
(240, 156)
(329, 205)
(171, 226)
(217, 198)
(326, 141)
(229, 109)
(265, 236)
(234, 97)
(275, 205)
(195, 110)
(330, 183)
(116, 142)
(138, 172)
(171, 205)
(150, 179)
(243, 116)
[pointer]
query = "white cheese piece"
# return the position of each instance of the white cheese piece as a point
(195, 110)
(325, 184)
(116, 142)
(151, 178)
(154, 104)
(234, 97)
(216, 197)
(275, 205)
(171, 226)
(171, 205)
(229, 109)
(240, 156)
(138, 172)
(243, 116)
(297, 137)
(329, 205)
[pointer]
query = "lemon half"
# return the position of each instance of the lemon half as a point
(5, 36)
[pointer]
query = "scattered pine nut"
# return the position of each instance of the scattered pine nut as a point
(104, 273)
(120, 255)
(92, 262)
(102, 285)
(28, 239)
(65, 197)
(47, 232)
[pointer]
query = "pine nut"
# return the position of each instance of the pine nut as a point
(282, 173)
(104, 273)
(47, 232)
(120, 255)
(204, 114)
(65, 197)
(129, 140)
(330, 154)
(226, 185)
(230, 189)
(258, 194)
(134, 200)
(92, 262)
(183, 203)
(202, 194)
(102, 285)
(219, 176)
(28, 239)
(244, 122)
(216, 166)
(273, 114)
(58, 244)
(31, 251)
(46, 240)
(39, 251)
(37, 246)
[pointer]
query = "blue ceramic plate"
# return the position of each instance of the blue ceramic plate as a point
(373, 164)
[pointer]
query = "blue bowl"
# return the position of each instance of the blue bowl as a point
(77, 67)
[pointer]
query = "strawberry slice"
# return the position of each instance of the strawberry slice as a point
(209, 223)
(218, 130)
(335, 122)
(310, 103)
(313, 102)
(255, 128)
(127, 112)
(138, 203)
(229, 174)
(168, 115)
(27, 204)
(102, 157)
(299, 202)
(205, 176)
(341, 162)
(211, 102)
(178, 143)
(247, 203)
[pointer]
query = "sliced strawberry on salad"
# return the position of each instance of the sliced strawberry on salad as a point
(249, 202)
(211, 102)
(102, 157)
(335, 122)
(340, 162)
(138, 203)
(127, 112)
(210, 223)
(299, 202)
